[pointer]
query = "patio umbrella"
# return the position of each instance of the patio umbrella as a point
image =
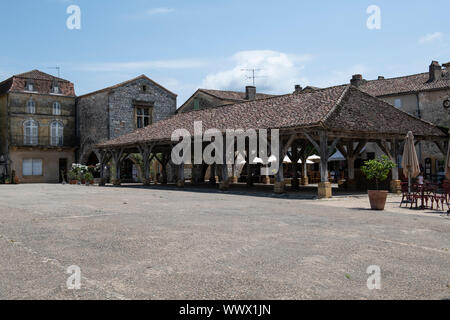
(410, 163)
(307, 161)
(447, 163)
(287, 160)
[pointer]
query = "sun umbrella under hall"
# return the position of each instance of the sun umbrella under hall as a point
(410, 163)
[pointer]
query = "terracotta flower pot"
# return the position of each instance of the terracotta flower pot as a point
(377, 199)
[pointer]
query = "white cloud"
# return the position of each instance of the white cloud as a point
(154, 11)
(431, 37)
(279, 72)
(145, 65)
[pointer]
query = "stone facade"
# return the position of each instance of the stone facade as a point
(111, 112)
(46, 153)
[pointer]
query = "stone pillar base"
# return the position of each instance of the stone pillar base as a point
(304, 181)
(224, 185)
(324, 190)
(266, 180)
(279, 187)
(102, 183)
(116, 182)
(146, 182)
(180, 183)
(234, 180)
(396, 186)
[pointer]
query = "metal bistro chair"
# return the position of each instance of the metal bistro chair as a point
(406, 195)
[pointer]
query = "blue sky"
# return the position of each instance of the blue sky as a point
(189, 44)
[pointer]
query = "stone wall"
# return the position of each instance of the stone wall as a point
(110, 113)
(43, 116)
(205, 102)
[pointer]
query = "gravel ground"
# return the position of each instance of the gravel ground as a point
(162, 243)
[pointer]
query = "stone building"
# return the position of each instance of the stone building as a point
(422, 95)
(120, 109)
(37, 126)
(205, 98)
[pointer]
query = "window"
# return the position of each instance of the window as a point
(30, 134)
(196, 104)
(29, 86)
(142, 117)
(32, 167)
(57, 134)
(56, 109)
(55, 87)
(398, 103)
(144, 88)
(31, 106)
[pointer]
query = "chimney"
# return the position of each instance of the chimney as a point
(446, 65)
(381, 78)
(357, 80)
(435, 71)
(298, 88)
(250, 93)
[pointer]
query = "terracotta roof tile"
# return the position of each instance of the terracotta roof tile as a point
(337, 108)
(406, 84)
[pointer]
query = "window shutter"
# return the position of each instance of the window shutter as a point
(27, 167)
(37, 167)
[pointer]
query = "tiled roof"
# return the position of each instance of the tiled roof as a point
(407, 84)
(233, 95)
(127, 82)
(343, 108)
(38, 75)
(42, 83)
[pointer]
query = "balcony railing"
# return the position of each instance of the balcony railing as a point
(48, 142)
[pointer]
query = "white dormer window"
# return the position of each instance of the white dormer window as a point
(31, 106)
(56, 109)
(55, 88)
(29, 86)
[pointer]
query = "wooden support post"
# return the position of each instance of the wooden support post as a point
(294, 158)
(146, 151)
(103, 162)
(392, 152)
(325, 151)
(181, 178)
(117, 158)
(225, 183)
(164, 160)
(279, 177)
(212, 175)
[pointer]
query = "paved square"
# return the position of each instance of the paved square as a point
(155, 243)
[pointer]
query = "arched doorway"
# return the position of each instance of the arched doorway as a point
(92, 160)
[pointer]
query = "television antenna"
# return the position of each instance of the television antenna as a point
(253, 75)
(56, 68)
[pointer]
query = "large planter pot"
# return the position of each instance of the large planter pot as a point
(377, 199)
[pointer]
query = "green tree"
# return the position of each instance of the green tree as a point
(378, 169)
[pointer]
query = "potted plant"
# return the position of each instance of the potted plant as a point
(72, 175)
(378, 170)
(89, 178)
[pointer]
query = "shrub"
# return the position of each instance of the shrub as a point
(88, 177)
(378, 169)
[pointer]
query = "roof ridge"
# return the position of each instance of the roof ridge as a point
(142, 76)
(399, 77)
(338, 102)
(24, 75)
